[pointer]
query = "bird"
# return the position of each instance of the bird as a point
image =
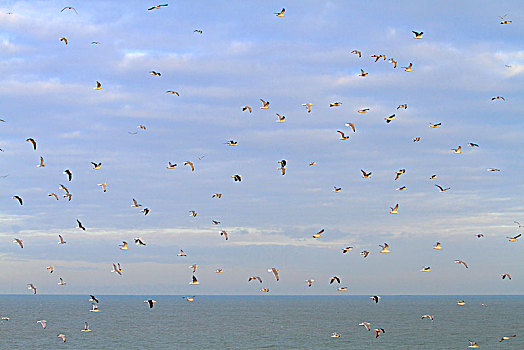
(151, 302)
(64, 39)
(50, 268)
(61, 283)
(96, 166)
(403, 188)
(32, 286)
(472, 344)
(86, 328)
(156, 7)
(318, 234)
(365, 175)
(172, 92)
(61, 240)
(145, 211)
(504, 275)
(394, 210)
(333, 279)
(237, 177)
(191, 298)
(437, 246)
(232, 143)
(518, 224)
(358, 53)
(33, 142)
(352, 126)
(42, 164)
(498, 98)
(123, 246)
(155, 73)
(343, 137)
(19, 199)
(390, 118)
(171, 165)
(408, 68)
(375, 298)
(281, 13)
(431, 317)
(281, 118)
(219, 271)
(256, 278)
(248, 108)
(194, 267)
(342, 289)
(362, 73)
(190, 163)
(194, 280)
(224, 233)
(43, 323)
(417, 139)
(217, 195)
(514, 239)
(98, 86)
(95, 42)
(493, 169)
(193, 213)
(405, 106)
(265, 290)
(62, 187)
(68, 196)
(398, 173)
(61, 335)
(335, 104)
(312, 163)
(265, 104)
(417, 34)
(19, 242)
(142, 127)
(308, 106)
(384, 248)
(365, 253)
(310, 282)
(337, 189)
(275, 272)
(392, 60)
(426, 269)
(363, 111)
(104, 186)
(69, 174)
(335, 335)
(93, 298)
(506, 22)
(457, 150)
(94, 308)
(365, 325)
(377, 57)
(462, 262)
(181, 253)
(378, 331)
(53, 195)
(471, 144)
(136, 204)
(479, 235)
(139, 241)
(117, 269)
(69, 8)
(80, 225)
(443, 189)
(434, 126)
(461, 302)
(347, 249)
(507, 337)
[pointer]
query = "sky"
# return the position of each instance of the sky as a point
(245, 53)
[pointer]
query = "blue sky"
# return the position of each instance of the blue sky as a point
(246, 53)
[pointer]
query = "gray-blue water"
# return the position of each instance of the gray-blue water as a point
(261, 322)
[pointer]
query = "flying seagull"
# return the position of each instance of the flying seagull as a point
(418, 35)
(275, 272)
(156, 7)
(80, 225)
(33, 142)
(69, 174)
(19, 199)
(281, 13)
(151, 302)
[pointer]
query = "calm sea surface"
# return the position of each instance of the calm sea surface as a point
(261, 322)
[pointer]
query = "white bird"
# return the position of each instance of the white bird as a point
(61, 283)
(86, 328)
(61, 240)
(43, 323)
(366, 325)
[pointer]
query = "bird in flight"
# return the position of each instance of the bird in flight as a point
(86, 328)
(310, 282)
(431, 317)
(347, 249)
(19, 242)
(93, 298)
(61, 282)
(265, 104)
(417, 139)
(405, 106)
(136, 204)
(96, 166)
(479, 235)
(365, 175)
(363, 111)
(417, 34)
(123, 246)
(32, 286)
(80, 225)
(61, 335)
(343, 136)
(248, 108)
(362, 73)
(42, 164)
(358, 53)
(224, 233)
(333, 279)
(471, 144)
(237, 177)
(335, 104)
(507, 337)
(392, 60)
(191, 298)
(156, 7)
(504, 275)
(193, 213)
(514, 239)
(443, 189)
(32, 142)
(98, 86)
(19, 199)
(281, 13)
(398, 173)
(385, 248)
(375, 298)
(365, 253)
(43, 323)
(94, 308)
(139, 241)
(69, 174)
(394, 210)
(151, 302)
(342, 289)
(437, 246)
(190, 163)
(281, 118)
(434, 126)
(472, 344)
(69, 8)
(352, 126)
(194, 280)
(181, 253)
(308, 106)
(408, 68)
(457, 150)
(155, 73)
(462, 262)
(104, 186)
(378, 331)
(64, 39)
(257, 278)
(337, 189)
(390, 118)
(426, 269)
(61, 240)
(365, 325)
(50, 268)
(275, 272)
(172, 92)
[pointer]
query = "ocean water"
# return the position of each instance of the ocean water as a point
(261, 322)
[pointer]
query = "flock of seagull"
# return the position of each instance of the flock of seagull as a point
(344, 136)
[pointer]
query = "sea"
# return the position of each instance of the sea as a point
(261, 322)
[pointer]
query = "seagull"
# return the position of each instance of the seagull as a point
(384, 248)
(171, 165)
(95, 42)
(318, 234)
(493, 169)
(443, 189)
(42, 164)
(139, 241)
(155, 73)
(457, 150)
(219, 271)
(151, 302)
(310, 282)
(94, 308)
(333, 279)
(377, 57)
(378, 331)
(347, 249)
(365, 253)
(265, 104)
(390, 118)
(96, 166)
(281, 118)
(80, 225)
(363, 111)
(356, 52)
(335, 335)
(365, 175)
(237, 177)
(62, 187)
(308, 106)
(68, 196)
(514, 239)
(343, 137)
(479, 235)
(461, 302)
(408, 68)
(504, 275)
(69, 174)
(247, 108)
(337, 189)
(192, 298)
(61, 240)
(392, 60)
(50, 268)
(399, 172)
(135, 204)
(352, 126)
(461, 262)
(86, 328)
(172, 92)
(224, 233)
(362, 73)
(518, 224)
(194, 280)
(61, 283)
(403, 188)
(498, 98)
(506, 22)
(366, 325)
(123, 246)
(64, 39)
(417, 139)
(426, 269)
(181, 253)
(104, 186)
(254, 278)
(217, 195)
(19, 199)
(375, 298)
(194, 267)
(417, 34)
(61, 335)
(19, 242)
(69, 8)
(145, 211)
(32, 286)
(507, 337)
(190, 163)
(342, 289)
(193, 213)
(431, 317)
(472, 344)
(471, 144)
(232, 143)
(266, 290)
(275, 272)
(405, 106)
(117, 269)
(98, 86)
(156, 7)
(281, 13)
(437, 246)
(434, 126)
(43, 323)
(33, 142)
(312, 163)
(394, 210)
(93, 298)
(143, 127)
(335, 104)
